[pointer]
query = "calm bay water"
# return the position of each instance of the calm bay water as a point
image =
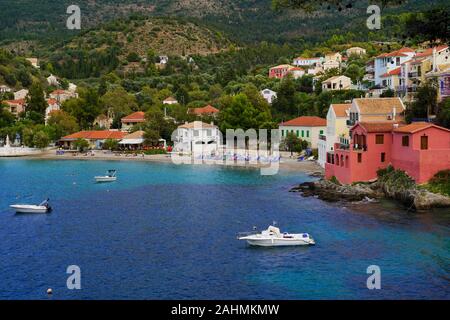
(169, 232)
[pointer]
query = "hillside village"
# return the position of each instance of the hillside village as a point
(326, 104)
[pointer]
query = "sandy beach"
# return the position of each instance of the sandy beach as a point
(286, 163)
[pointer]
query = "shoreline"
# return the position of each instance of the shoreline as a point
(286, 164)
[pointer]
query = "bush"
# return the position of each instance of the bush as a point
(440, 183)
(399, 179)
(335, 180)
(155, 151)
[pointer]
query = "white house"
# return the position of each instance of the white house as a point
(63, 95)
(197, 138)
(306, 128)
(386, 62)
(331, 64)
(269, 95)
(4, 89)
(21, 94)
(337, 117)
(53, 105)
(334, 56)
(337, 83)
(356, 51)
(305, 62)
(52, 80)
(170, 100)
(72, 87)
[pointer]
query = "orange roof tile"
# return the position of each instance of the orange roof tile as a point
(397, 53)
(418, 126)
(306, 121)
(96, 135)
(377, 106)
(375, 126)
(18, 101)
(394, 72)
(340, 109)
(138, 116)
(205, 110)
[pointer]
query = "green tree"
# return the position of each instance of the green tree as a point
(151, 137)
(63, 124)
(120, 102)
(110, 144)
(81, 144)
(6, 117)
(425, 103)
(41, 140)
(36, 103)
(292, 143)
(443, 114)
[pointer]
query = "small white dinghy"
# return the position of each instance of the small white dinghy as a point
(110, 177)
(272, 237)
(43, 207)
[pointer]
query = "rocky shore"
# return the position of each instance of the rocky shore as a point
(412, 198)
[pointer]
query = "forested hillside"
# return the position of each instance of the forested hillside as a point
(251, 20)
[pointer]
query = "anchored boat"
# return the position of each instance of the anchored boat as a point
(43, 207)
(109, 177)
(272, 237)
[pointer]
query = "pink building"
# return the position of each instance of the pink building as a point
(421, 149)
(280, 71)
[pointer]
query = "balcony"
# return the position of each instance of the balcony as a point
(358, 147)
(350, 123)
(322, 137)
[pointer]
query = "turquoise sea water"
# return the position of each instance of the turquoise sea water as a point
(169, 232)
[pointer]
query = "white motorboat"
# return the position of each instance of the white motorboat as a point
(272, 237)
(43, 207)
(110, 177)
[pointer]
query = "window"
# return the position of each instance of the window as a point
(383, 157)
(307, 133)
(342, 160)
(321, 132)
(196, 133)
(405, 141)
(337, 159)
(424, 142)
(379, 139)
(359, 157)
(298, 133)
(346, 161)
(303, 133)
(282, 133)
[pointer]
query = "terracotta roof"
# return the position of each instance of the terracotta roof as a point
(394, 72)
(59, 91)
(397, 53)
(282, 66)
(96, 135)
(340, 109)
(373, 106)
(197, 125)
(135, 135)
(306, 121)
(52, 101)
(205, 110)
(429, 51)
(417, 126)
(301, 58)
(375, 126)
(18, 101)
(138, 116)
(296, 69)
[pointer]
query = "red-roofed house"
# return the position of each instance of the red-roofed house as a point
(15, 106)
(62, 95)
(283, 70)
(95, 138)
(129, 121)
(421, 149)
(205, 111)
(386, 62)
(306, 128)
(391, 78)
(53, 105)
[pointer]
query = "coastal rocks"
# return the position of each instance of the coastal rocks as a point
(413, 197)
(330, 191)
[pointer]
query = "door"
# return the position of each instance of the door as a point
(424, 142)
